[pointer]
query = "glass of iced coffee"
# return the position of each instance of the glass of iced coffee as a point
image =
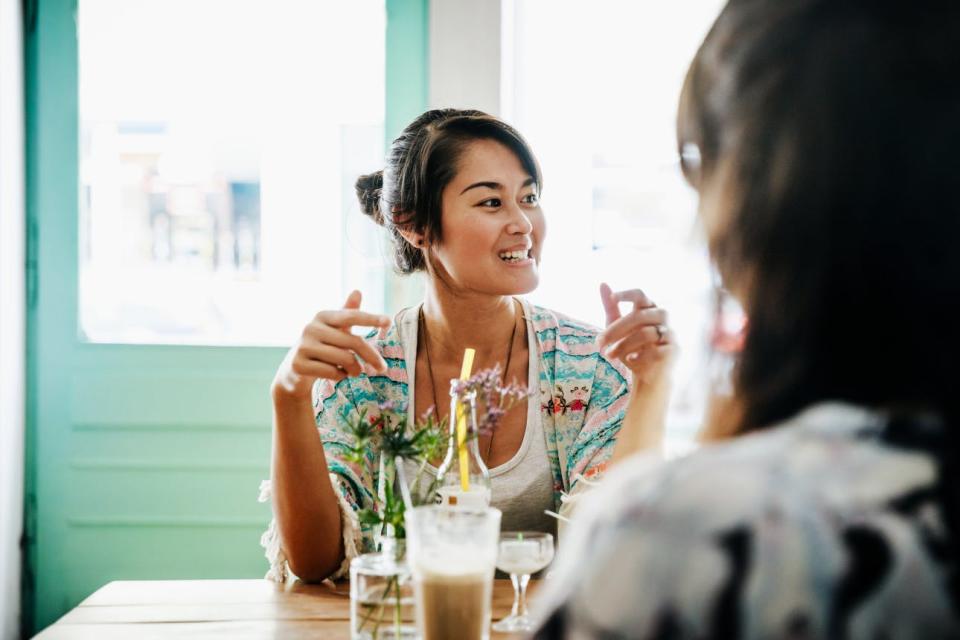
(452, 553)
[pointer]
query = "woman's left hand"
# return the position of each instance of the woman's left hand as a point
(641, 339)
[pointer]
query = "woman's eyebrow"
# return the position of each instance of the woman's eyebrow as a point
(489, 185)
(496, 186)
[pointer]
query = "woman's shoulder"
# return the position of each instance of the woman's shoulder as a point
(570, 345)
(549, 320)
(833, 454)
(783, 509)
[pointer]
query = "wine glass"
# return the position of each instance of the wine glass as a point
(521, 553)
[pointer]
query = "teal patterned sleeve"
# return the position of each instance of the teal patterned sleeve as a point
(593, 447)
(334, 405)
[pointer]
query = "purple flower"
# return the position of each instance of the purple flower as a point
(390, 406)
(493, 399)
(490, 419)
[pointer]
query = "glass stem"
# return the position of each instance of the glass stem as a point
(519, 594)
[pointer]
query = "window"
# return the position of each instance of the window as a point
(596, 93)
(219, 145)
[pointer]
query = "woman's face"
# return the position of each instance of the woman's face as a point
(493, 226)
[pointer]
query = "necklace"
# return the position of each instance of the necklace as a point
(426, 348)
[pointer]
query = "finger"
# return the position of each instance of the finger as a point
(630, 323)
(644, 339)
(353, 300)
(648, 356)
(335, 356)
(346, 318)
(356, 344)
(609, 303)
(313, 369)
(636, 296)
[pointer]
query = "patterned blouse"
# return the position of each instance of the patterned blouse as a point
(835, 524)
(583, 398)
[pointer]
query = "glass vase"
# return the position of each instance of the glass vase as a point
(463, 478)
(381, 594)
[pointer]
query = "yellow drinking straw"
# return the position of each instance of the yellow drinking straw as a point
(462, 423)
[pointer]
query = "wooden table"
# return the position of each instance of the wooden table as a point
(223, 609)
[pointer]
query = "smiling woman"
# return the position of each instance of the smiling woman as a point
(460, 196)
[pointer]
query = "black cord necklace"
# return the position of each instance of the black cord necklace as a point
(503, 380)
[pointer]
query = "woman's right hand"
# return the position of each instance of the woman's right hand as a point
(328, 350)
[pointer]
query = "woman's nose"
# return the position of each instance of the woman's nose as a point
(519, 221)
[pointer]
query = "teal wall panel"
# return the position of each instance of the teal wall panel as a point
(408, 92)
(408, 63)
(51, 94)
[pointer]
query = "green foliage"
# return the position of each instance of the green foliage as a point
(390, 435)
(387, 436)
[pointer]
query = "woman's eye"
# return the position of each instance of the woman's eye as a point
(531, 199)
(492, 202)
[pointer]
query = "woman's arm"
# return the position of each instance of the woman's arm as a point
(645, 418)
(304, 500)
(643, 343)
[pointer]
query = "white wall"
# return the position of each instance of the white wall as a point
(465, 56)
(11, 314)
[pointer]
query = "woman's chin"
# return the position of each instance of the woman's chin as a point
(496, 284)
(522, 286)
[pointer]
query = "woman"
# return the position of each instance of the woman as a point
(821, 137)
(460, 195)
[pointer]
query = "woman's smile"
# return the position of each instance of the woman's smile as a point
(519, 257)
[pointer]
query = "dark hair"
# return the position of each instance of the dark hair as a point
(422, 161)
(828, 135)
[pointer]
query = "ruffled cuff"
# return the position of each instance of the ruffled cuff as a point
(270, 540)
(350, 530)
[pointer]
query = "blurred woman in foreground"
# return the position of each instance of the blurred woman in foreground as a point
(822, 138)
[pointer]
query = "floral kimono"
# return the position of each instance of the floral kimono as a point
(582, 398)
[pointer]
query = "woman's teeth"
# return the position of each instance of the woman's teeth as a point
(513, 256)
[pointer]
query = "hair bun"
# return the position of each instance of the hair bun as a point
(369, 188)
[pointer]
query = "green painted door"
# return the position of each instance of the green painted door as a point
(143, 460)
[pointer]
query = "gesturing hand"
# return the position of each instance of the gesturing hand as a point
(327, 349)
(640, 339)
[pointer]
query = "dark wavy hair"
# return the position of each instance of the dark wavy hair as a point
(823, 137)
(422, 161)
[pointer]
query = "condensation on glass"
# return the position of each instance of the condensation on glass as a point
(219, 145)
(601, 116)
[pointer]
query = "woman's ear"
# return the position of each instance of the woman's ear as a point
(414, 238)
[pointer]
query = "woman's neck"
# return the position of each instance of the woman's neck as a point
(455, 322)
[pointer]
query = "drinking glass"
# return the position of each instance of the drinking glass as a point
(520, 554)
(452, 553)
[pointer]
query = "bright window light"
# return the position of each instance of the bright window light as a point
(219, 145)
(595, 91)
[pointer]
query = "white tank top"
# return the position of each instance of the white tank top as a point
(521, 487)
